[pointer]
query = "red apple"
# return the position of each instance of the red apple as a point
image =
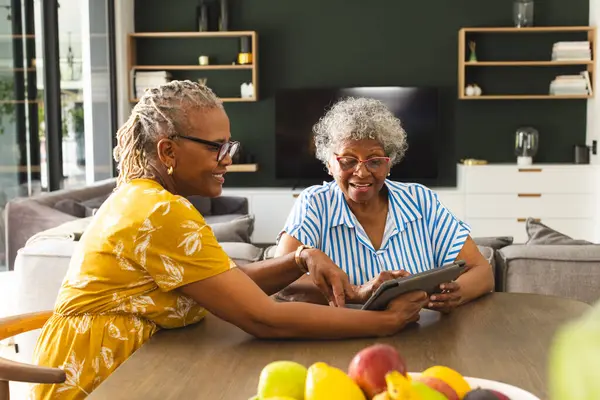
(369, 366)
(438, 385)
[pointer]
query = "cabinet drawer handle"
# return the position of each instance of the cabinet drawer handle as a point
(525, 219)
(529, 195)
(530, 170)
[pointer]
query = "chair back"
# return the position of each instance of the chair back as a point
(20, 372)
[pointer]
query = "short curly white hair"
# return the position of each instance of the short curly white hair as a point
(356, 119)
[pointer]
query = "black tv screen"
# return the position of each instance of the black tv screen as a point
(297, 110)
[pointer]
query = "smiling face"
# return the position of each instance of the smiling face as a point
(359, 184)
(196, 170)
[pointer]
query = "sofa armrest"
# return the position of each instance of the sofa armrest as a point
(571, 271)
(229, 205)
(25, 219)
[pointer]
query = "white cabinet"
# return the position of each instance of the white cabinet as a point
(271, 212)
(499, 198)
(453, 200)
(494, 199)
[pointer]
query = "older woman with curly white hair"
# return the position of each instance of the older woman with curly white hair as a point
(373, 228)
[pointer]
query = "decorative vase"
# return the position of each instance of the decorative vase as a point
(202, 17)
(473, 56)
(526, 145)
(523, 13)
(224, 16)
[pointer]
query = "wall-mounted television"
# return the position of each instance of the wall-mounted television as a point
(297, 110)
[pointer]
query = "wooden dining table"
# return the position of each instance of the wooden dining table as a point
(501, 336)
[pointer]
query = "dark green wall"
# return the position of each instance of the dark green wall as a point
(313, 43)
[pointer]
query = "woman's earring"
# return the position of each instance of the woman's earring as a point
(170, 170)
(388, 174)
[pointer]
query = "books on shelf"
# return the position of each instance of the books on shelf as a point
(143, 80)
(572, 51)
(565, 85)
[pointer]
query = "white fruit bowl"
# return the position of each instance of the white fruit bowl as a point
(513, 392)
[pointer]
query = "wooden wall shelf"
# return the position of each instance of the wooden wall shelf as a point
(242, 168)
(464, 64)
(167, 35)
(527, 97)
(524, 63)
(533, 29)
(133, 65)
(188, 67)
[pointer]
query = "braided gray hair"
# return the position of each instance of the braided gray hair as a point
(358, 119)
(161, 112)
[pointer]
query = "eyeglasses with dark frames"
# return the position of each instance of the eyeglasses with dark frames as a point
(222, 148)
(373, 164)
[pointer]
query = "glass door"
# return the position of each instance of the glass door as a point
(21, 108)
(70, 45)
(57, 97)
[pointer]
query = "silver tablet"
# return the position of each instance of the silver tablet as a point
(428, 281)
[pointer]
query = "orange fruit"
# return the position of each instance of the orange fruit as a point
(451, 377)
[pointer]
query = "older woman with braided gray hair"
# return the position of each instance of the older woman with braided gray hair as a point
(373, 228)
(149, 261)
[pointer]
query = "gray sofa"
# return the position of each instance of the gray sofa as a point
(549, 263)
(27, 217)
(570, 271)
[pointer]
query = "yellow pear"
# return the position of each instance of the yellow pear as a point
(399, 387)
(324, 382)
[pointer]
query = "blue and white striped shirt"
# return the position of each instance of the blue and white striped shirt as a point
(420, 232)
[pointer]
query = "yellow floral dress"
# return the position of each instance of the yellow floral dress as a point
(143, 243)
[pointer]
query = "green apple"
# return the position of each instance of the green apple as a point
(427, 393)
(282, 379)
(574, 354)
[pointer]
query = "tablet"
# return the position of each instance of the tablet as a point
(428, 281)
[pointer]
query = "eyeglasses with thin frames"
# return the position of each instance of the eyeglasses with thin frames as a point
(373, 164)
(223, 148)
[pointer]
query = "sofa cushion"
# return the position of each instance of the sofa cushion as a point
(541, 234)
(232, 230)
(495, 242)
(558, 270)
(269, 252)
(217, 219)
(25, 219)
(202, 204)
(242, 253)
(81, 209)
(71, 231)
(71, 207)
